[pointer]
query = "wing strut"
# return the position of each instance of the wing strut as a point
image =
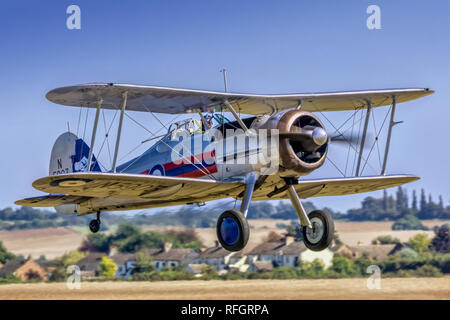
(299, 209)
(392, 123)
(236, 116)
(94, 133)
(363, 139)
(249, 188)
(119, 130)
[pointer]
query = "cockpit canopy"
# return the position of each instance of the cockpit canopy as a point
(190, 126)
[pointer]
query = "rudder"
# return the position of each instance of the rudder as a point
(69, 155)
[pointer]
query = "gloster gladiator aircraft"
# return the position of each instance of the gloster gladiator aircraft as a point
(212, 157)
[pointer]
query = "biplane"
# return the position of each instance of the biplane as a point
(212, 157)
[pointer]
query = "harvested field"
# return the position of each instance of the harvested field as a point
(51, 242)
(391, 288)
(54, 242)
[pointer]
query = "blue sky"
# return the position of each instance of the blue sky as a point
(267, 47)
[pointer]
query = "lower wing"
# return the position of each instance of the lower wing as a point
(332, 186)
(50, 200)
(113, 192)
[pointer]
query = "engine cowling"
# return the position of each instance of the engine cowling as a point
(303, 142)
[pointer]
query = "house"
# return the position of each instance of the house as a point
(168, 257)
(287, 252)
(24, 269)
(343, 250)
(221, 259)
(376, 251)
(90, 265)
(195, 269)
(261, 266)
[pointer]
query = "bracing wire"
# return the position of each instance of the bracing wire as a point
(349, 142)
(79, 119)
(376, 138)
(162, 141)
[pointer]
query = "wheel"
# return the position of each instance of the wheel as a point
(232, 230)
(321, 234)
(94, 225)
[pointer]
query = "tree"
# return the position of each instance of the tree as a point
(420, 242)
(408, 222)
(125, 230)
(97, 242)
(290, 231)
(294, 230)
(414, 202)
(209, 272)
(441, 240)
(441, 203)
(388, 239)
(143, 240)
(107, 267)
(4, 254)
(72, 257)
(260, 210)
(342, 265)
(423, 201)
(402, 202)
(337, 240)
(59, 274)
(385, 200)
(144, 263)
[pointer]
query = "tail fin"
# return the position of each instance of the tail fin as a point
(69, 155)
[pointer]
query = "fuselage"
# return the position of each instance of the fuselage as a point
(199, 153)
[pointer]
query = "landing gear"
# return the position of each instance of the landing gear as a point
(94, 224)
(232, 230)
(317, 227)
(320, 235)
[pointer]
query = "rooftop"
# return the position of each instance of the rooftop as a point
(279, 248)
(173, 254)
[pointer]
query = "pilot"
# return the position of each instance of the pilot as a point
(209, 119)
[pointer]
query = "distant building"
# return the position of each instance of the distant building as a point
(168, 257)
(376, 251)
(287, 252)
(195, 268)
(343, 250)
(24, 269)
(125, 262)
(261, 266)
(222, 259)
(90, 265)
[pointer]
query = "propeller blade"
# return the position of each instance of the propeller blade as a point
(346, 139)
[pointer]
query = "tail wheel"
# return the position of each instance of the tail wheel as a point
(321, 234)
(94, 225)
(232, 230)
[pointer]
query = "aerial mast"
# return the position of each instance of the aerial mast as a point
(224, 71)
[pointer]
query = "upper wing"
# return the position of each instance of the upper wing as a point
(155, 189)
(333, 186)
(172, 101)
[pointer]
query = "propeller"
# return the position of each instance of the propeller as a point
(312, 138)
